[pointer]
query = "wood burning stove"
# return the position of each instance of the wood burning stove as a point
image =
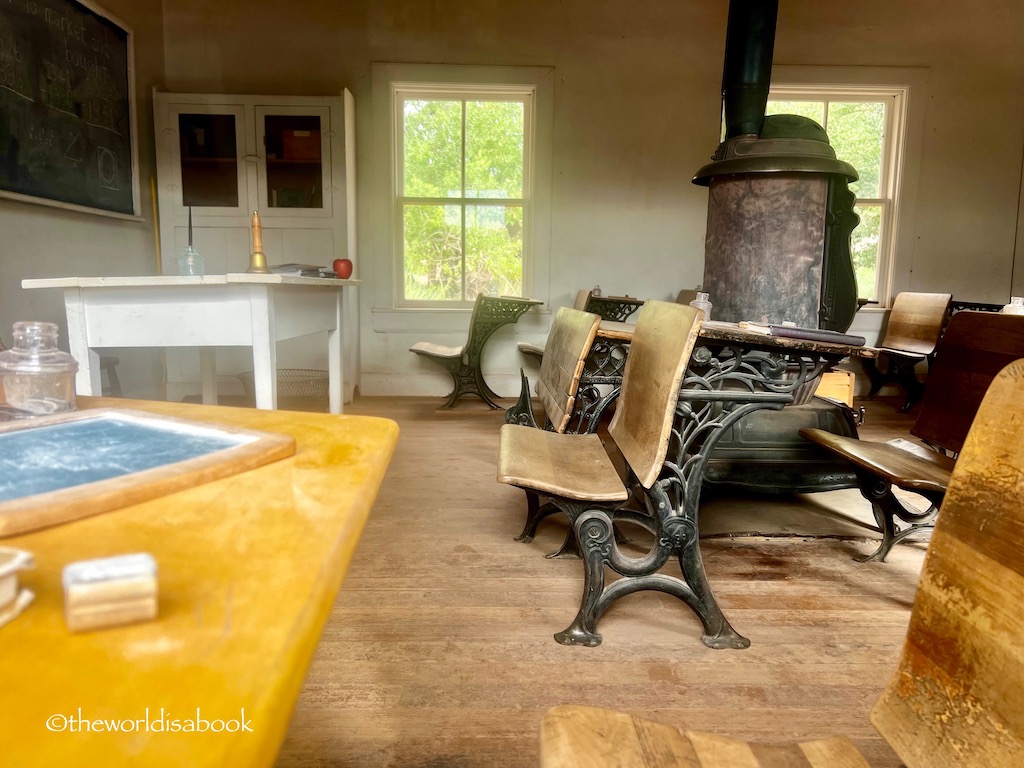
(780, 214)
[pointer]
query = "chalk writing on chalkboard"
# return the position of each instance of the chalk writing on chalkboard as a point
(66, 105)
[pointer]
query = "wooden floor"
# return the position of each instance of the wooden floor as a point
(439, 653)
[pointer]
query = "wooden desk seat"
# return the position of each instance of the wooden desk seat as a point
(463, 362)
(974, 348)
(541, 461)
(611, 309)
(957, 695)
(591, 737)
(911, 336)
(565, 353)
(576, 473)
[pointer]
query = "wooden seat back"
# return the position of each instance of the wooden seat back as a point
(582, 297)
(569, 341)
(686, 295)
(658, 354)
(973, 349)
(915, 322)
(957, 697)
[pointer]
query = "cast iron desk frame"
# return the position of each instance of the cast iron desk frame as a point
(732, 373)
(489, 314)
(615, 308)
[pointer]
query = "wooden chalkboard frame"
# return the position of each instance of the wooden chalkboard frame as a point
(131, 107)
(65, 504)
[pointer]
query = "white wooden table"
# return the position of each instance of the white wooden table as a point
(233, 310)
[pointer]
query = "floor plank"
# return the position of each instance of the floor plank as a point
(439, 652)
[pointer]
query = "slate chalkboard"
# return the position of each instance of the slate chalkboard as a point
(66, 105)
(55, 469)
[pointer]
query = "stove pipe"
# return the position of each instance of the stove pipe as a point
(749, 44)
(780, 212)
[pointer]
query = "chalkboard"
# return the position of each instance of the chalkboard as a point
(75, 453)
(55, 469)
(67, 111)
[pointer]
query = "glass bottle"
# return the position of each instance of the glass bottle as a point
(190, 262)
(1015, 307)
(36, 378)
(702, 302)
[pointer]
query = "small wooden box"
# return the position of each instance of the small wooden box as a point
(110, 591)
(837, 385)
(300, 145)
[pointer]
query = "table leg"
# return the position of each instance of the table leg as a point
(264, 348)
(336, 356)
(208, 374)
(87, 381)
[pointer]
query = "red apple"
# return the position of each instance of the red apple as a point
(343, 268)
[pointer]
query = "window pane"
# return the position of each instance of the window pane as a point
(294, 178)
(433, 148)
(864, 249)
(433, 252)
(209, 160)
(856, 131)
(494, 250)
(815, 110)
(494, 149)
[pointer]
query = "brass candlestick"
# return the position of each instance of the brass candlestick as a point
(257, 259)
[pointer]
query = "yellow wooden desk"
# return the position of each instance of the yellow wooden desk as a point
(249, 569)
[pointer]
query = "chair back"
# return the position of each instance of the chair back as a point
(569, 341)
(686, 295)
(957, 697)
(916, 321)
(582, 297)
(658, 354)
(974, 348)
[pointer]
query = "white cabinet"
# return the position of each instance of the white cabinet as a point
(288, 157)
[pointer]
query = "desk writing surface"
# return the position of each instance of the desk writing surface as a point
(160, 281)
(249, 567)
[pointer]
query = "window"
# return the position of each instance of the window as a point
(865, 126)
(462, 206)
(475, 208)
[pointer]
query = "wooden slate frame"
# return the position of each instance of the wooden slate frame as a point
(63, 505)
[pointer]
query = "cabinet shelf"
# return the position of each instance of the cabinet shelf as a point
(208, 160)
(293, 161)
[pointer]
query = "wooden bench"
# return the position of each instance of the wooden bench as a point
(568, 344)
(565, 352)
(974, 348)
(957, 695)
(463, 363)
(911, 336)
(576, 473)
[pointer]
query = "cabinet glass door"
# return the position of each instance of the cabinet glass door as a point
(211, 153)
(295, 175)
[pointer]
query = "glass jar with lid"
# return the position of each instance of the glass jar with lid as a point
(36, 378)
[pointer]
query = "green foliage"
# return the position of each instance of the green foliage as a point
(864, 249)
(456, 250)
(856, 131)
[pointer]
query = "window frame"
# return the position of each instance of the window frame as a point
(463, 93)
(389, 313)
(912, 85)
(893, 150)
